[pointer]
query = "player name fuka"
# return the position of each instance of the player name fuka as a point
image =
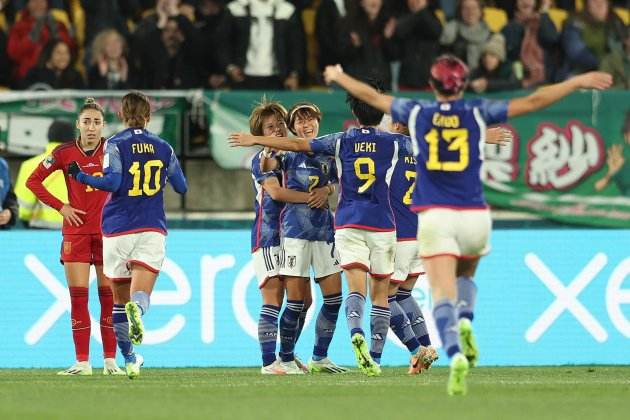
(448, 121)
(142, 148)
(365, 147)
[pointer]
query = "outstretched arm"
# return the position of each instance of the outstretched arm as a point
(279, 143)
(545, 96)
(358, 89)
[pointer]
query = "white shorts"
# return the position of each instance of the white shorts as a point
(368, 250)
(407, 262)
(266, 264)
(299, 255)
(459, 233)
(147, 249)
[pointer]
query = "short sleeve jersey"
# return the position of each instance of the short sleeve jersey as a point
(305, 172)
(447, 139)
(145, 162)
(266, 228)
(401, 190)
(366, 158)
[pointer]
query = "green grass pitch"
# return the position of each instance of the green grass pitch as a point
(570, 392)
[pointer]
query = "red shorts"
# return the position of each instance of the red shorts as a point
(82, 248)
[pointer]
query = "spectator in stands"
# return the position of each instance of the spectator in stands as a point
(494, 73)
(5, 65)
(108, 14)
(589, 36)
(8, 200)
(264, 44)
(327, 20)
(618, 163)
(617, 63)
(166, 50)
(54, 70)
(532, 40)
(367, 44)
(209, 14)
(33, 212)
(418, 31)
(466, 35)
(31, 33)
(108, 68)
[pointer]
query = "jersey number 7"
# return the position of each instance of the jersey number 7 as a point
(151, 167)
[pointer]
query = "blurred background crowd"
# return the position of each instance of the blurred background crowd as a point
(284, 44)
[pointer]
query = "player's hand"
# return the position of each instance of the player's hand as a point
(332, 72)
(241, 139)
(390, 28)
(72, 215)
(615, 159)
(499, 135)
(594, 80)
(318, 198)
(74, 169)
(5, 217)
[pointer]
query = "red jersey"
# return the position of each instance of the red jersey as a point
(81, 196)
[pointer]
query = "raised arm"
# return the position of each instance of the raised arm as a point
(279, 143)
(545, 96)
(279, 193)
(358, 89)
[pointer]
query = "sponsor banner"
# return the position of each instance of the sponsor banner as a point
(545, 297)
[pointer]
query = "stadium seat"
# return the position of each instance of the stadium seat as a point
(558, 16)
(308, 21)
(579, 5)
(78, 17)
(440, 15)
(495, 18)
(624, 14)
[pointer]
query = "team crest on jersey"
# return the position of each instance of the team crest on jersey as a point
(291, 261)
(48, 162)
(324, 167)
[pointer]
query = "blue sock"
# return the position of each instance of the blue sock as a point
(414, 313)
(466, 297)
(326, 324)
(288, 329)
(142, 299)
(379, 325)
(400, 324)
(301, 322)
(446, 323)
(355, 305)
(268, 333)
(121, 329)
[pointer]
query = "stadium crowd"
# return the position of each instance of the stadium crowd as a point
(284, 44)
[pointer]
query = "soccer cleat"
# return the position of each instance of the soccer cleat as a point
(291, 368)
(415, 363)
(272, 369)
(110, 367)
(457, 377)
(429, 356)
(133, 368)
(301, 365)
(78, 369)
(325, 366)
(468, 342)
(362, 354)
(136, 327)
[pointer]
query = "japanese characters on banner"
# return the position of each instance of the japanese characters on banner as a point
(570, 162)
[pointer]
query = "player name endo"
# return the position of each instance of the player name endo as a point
(142, 148)
(448, 121)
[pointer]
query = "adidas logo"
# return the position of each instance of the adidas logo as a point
(354, 314)
(377, 337)
(336, 262)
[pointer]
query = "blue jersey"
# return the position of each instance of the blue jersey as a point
(366, 158)
(304, 172)
(401, 190)
(266, 229)
(145, 162)
(448, 140)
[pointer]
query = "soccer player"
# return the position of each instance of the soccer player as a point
(308, 240)
(364, 223)
(454, 219)
(268, 119)
(82, 241)
(136, 167)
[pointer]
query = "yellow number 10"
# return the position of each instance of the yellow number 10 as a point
(457, 139)
(368, 176)
(147, 189)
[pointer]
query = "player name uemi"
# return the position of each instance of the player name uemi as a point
(365, 147)
(142, 148)
(448, 121)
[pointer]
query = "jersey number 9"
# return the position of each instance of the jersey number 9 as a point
(367, 176)
(151, 167)
(457, 139)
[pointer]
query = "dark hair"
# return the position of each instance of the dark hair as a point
(47, 53)
(366, 114)
(135, 109)
(90, 103)
(61, 131)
